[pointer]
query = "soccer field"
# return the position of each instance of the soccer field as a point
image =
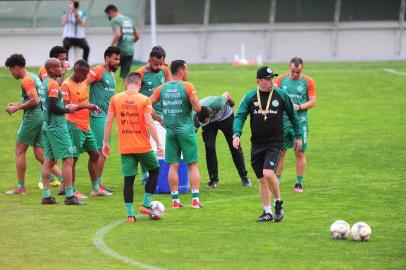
(356, 172)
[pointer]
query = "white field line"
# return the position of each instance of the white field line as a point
(326, 70)
(99, 242)
(394, 71)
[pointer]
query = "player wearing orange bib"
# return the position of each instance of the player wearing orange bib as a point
(83, 140)
(133, 112)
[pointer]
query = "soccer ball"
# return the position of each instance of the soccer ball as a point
(158, 209)
(340, 229)
(360, 231)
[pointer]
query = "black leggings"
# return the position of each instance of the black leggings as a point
(77, 42)
(209, 137)
(128, 190)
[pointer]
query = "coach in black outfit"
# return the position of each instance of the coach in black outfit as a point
(266, 105)
(217, 114)
(74, 21)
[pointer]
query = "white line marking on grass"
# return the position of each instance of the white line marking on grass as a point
(326, 70)
(394, 71)
(99, 243)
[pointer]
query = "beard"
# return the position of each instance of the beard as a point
(113, 68)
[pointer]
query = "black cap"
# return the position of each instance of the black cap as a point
(265, 72)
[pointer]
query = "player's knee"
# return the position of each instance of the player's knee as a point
(154, 172)
(94, 156)
(269, 174)
(46, 174)
(300, 154)
(20, 150)
(174, 166)
(68, 162)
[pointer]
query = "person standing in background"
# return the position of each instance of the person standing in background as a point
(74, 21)
(124, 37)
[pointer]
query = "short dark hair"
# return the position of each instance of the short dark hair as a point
(156, 53)
(15, 60)
(176, 65)
(159, 49)
(203, 114)
(110, 8)
(111, 50)
(56, 51)
(296, 61)
(133, 77)
(80, 63)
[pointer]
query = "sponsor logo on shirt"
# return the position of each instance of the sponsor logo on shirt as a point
(172, 103)
(275, 103)
(300, 89)
(172, 111)
(123, 114)
(270, 111)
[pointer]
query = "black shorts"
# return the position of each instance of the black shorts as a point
(125, 64)
(265, 157)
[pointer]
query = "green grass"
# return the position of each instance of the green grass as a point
(356, 172)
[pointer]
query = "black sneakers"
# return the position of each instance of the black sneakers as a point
(212, 184)
(246, 182)
(73, 201)
(278, 211)
(265, 217)
(49, 200)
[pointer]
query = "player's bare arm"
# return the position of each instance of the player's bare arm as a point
(230, 100)
(116, 37)
(156, 117)
(307, 105)
(30, 103)
(194, 100)
(107, 133)
(137, 35)
(154, 133)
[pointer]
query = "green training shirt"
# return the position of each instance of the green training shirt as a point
(101, 89)
(36, 111)
(176, 106)
(50, 88)
(150, 81)
(126, 42)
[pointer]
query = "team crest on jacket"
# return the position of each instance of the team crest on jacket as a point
(275, 103)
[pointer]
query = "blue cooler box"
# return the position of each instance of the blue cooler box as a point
(163, 184)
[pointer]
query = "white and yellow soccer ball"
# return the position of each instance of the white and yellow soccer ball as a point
(340, 229)
(361, 231)
(158, 208)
